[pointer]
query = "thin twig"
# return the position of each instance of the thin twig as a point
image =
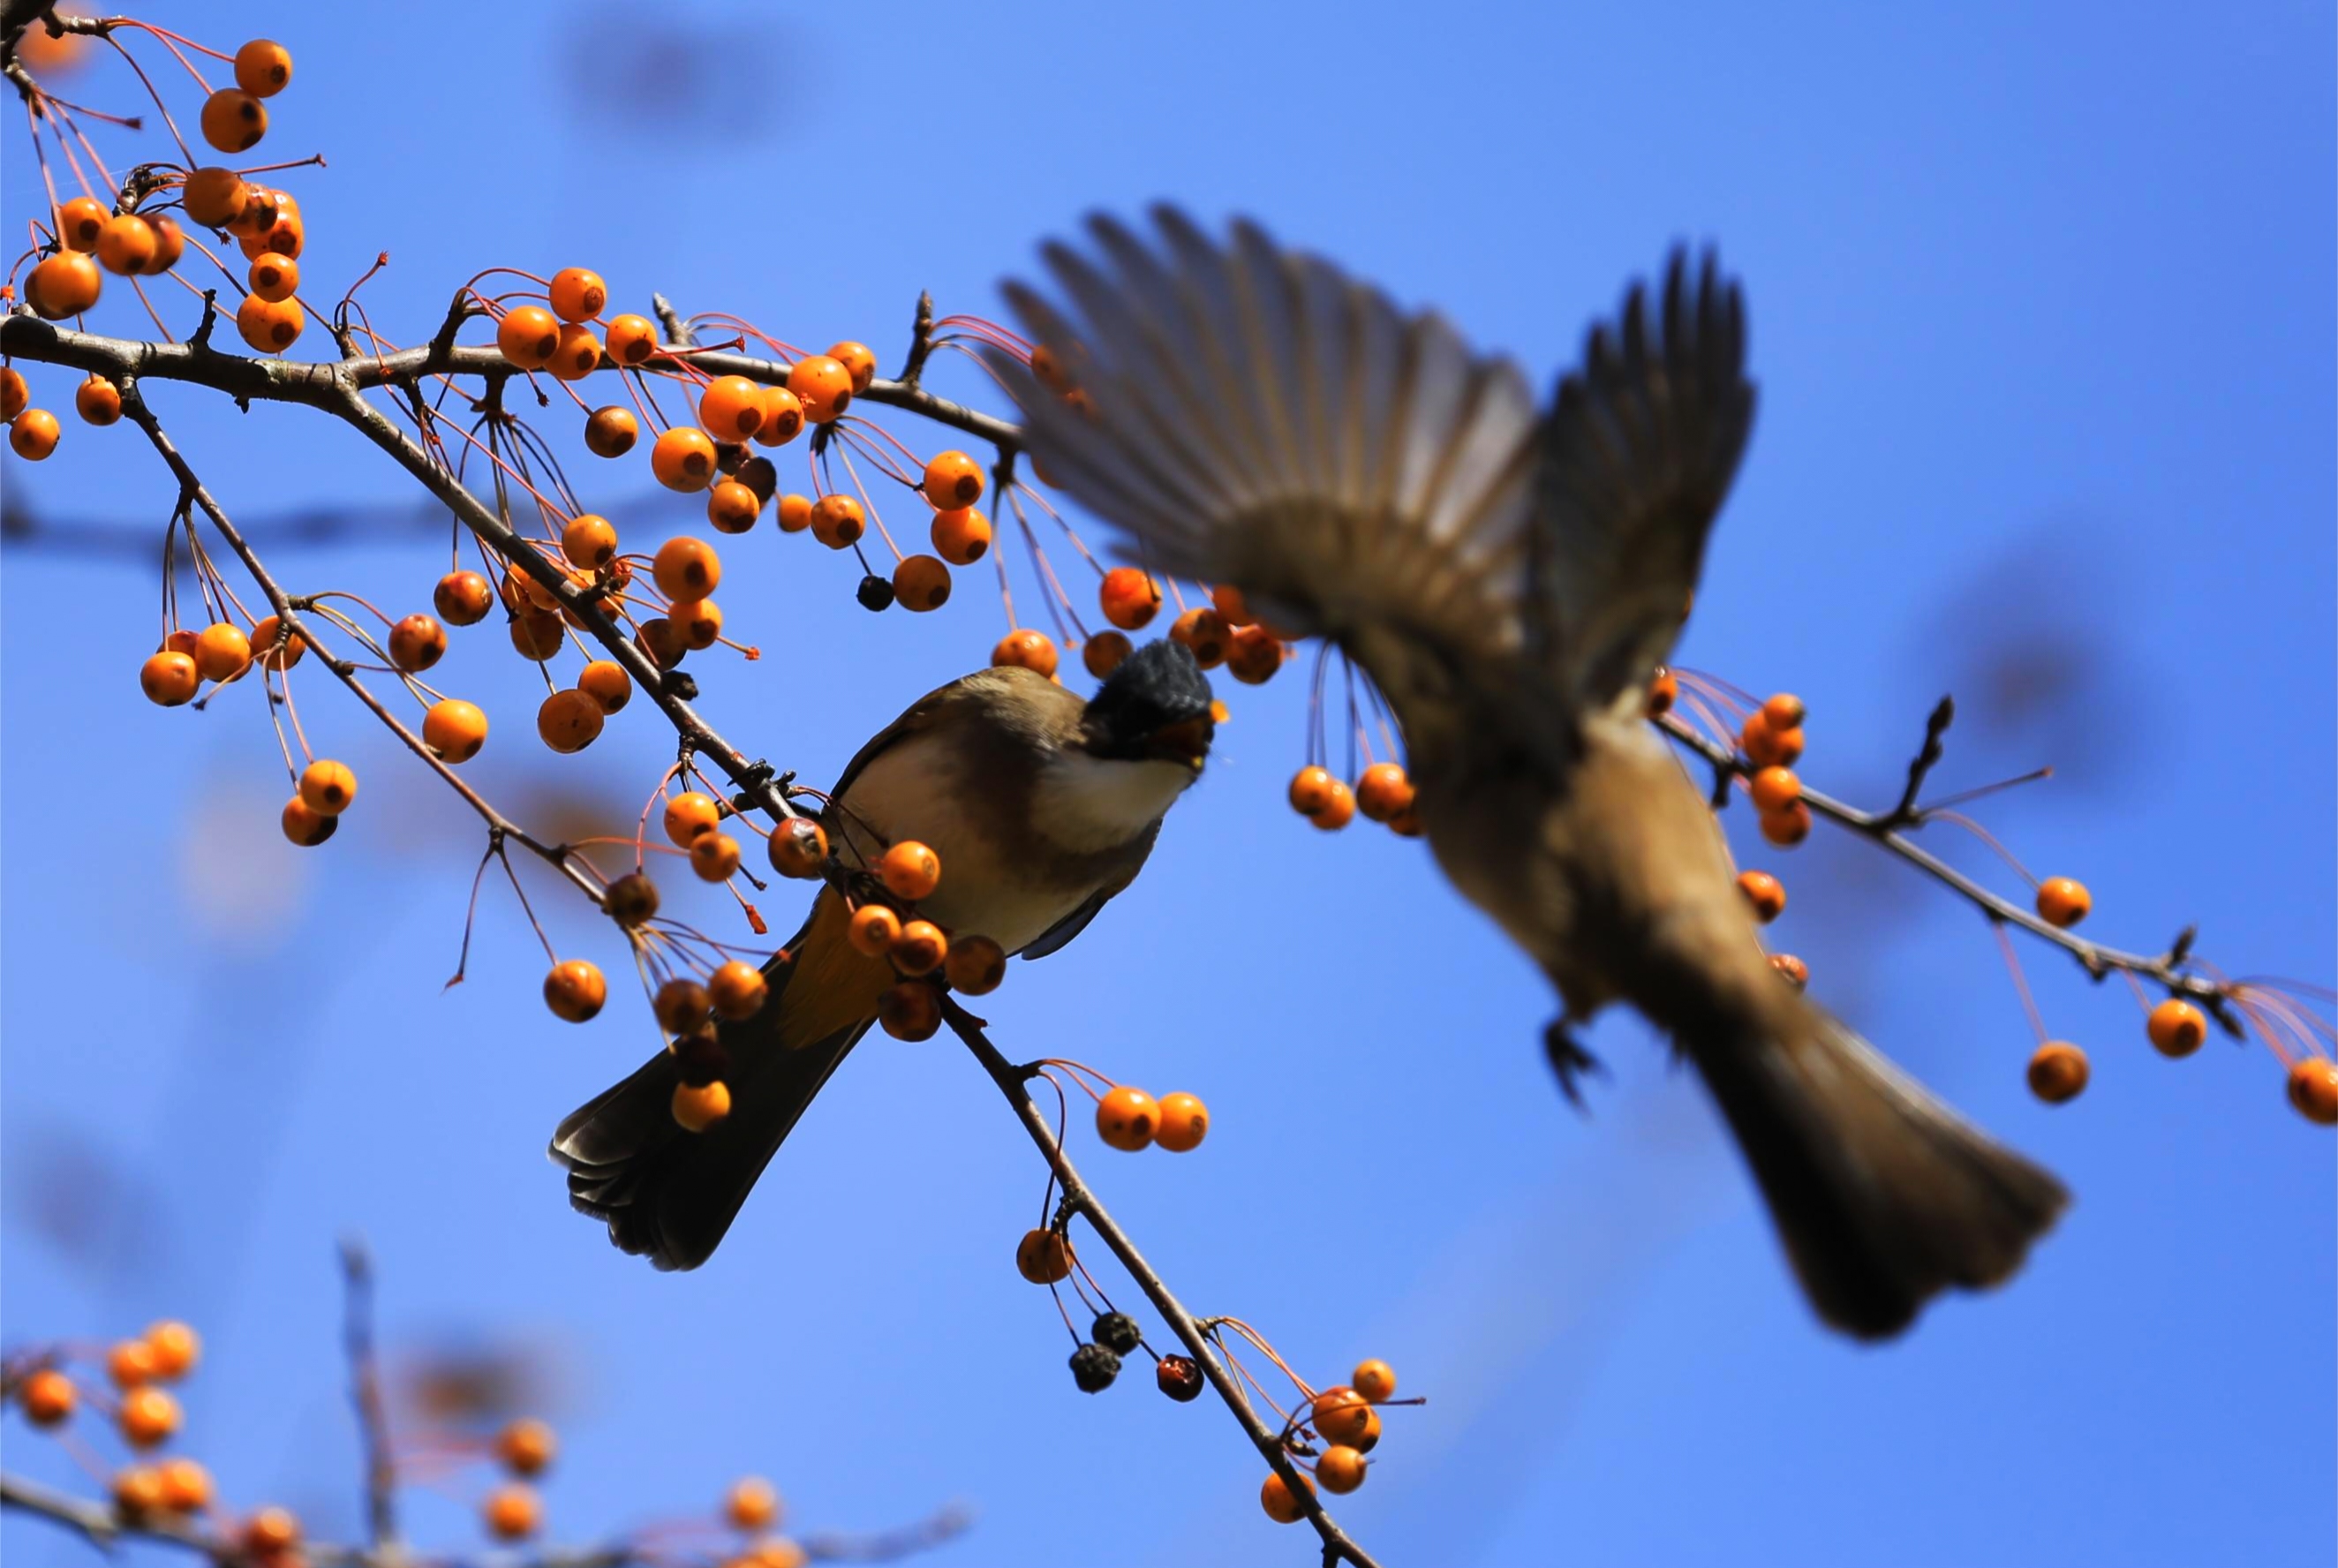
(365, 1395)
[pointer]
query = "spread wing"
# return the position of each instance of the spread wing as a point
(1642, 443)
(1254, 417)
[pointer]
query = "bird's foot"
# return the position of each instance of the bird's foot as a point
(1570, 1060)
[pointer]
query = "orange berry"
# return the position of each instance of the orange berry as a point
(33, 435)
(974, 965)
(1792, 970)
(169, 680)
(62, 285)
(98, 401)
(732, 507)
(1310, 791)
(632, 340)
(680, 1005)
(697, 1107)
(570, 721)
(537, 634)
(1340, 1469)
(1775, 789)
(1050, 371)
(149, 1415)
(1129, 598)
(574, 990)
(529, 336)
(48, 1396)
(874, 929)
(1342, 1415)
(1338, 808)
(737, 990)
(611, 431)
(1042, 1257)
(286, 237)
(1204, 632)
(263, 67)
(683, 458)
(921, 583)
(1764, 893)
(186, 1486)
(1027, 649)
(126, 245)
(589, 541)
(578, 355)
(131, 1362)
(632, 900)
(699, 623)
(270, 1533)
(962, 536)
(2176, 1027)
(952, 480)
(328, 786)
(268, 326)
(795, 514)
(1275, 1495)
(2313, 1089)
(170, 244)
(454, 728)
(1782, 712)
(215, 197)
(909, 870)
(1183, 1122)
(463, 598)
(859, 363)
(1101, 654)
(1383, 794)
(2058, 1071)
(1788, 827)
(753, 1504)
(687, 568)
(715, 857)
(1375, 1379)
(1126, 1118)
(274, 646)
(776, 1553)
(525, 1447)
(660, 642)
(822, 385)
(2063, 902)
(1767, 748)
(783, 417)
(273, 277)
(911, 1010)
(1232, 606)
(798, 849)
(578, 294)
(731, 408)
(838, 521)
(919, 948)
(80, 221)
(137, 1490)
(513, 1512)
(13, 392)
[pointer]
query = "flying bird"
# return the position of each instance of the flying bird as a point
(1040, 806)
(1512, 577)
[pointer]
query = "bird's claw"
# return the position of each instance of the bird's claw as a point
(1569, 1061)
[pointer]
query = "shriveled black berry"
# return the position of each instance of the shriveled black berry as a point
(874, 593)
(681, 684)
(632, 899)
(702, 1059)
(1179, 1376)
(1117, 1332)
(758, 475)
(1094, 1367)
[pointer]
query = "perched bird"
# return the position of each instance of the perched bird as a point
(1512, 578)
(1040, 806)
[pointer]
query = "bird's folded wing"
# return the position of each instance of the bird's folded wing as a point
(1254, 417)
(1639, 454)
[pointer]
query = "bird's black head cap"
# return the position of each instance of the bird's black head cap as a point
(1156, 706)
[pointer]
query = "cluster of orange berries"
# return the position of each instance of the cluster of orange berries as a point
(1220, 633)
(1346, 1420)
(1383, 793)
(143, 1412)
(1128, 1119)
(514, 1510)
(885, 923)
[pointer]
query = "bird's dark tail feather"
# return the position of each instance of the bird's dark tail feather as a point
(1884, 1196)
(670, 1194)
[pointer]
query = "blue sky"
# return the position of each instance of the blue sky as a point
(2040, 306)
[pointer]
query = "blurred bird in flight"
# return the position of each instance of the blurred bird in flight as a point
(1040, 806)
(1512, 578)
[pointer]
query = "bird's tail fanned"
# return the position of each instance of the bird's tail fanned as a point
(1882, 1195)
(670, 1194)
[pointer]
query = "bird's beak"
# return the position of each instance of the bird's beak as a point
(1187, 740)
